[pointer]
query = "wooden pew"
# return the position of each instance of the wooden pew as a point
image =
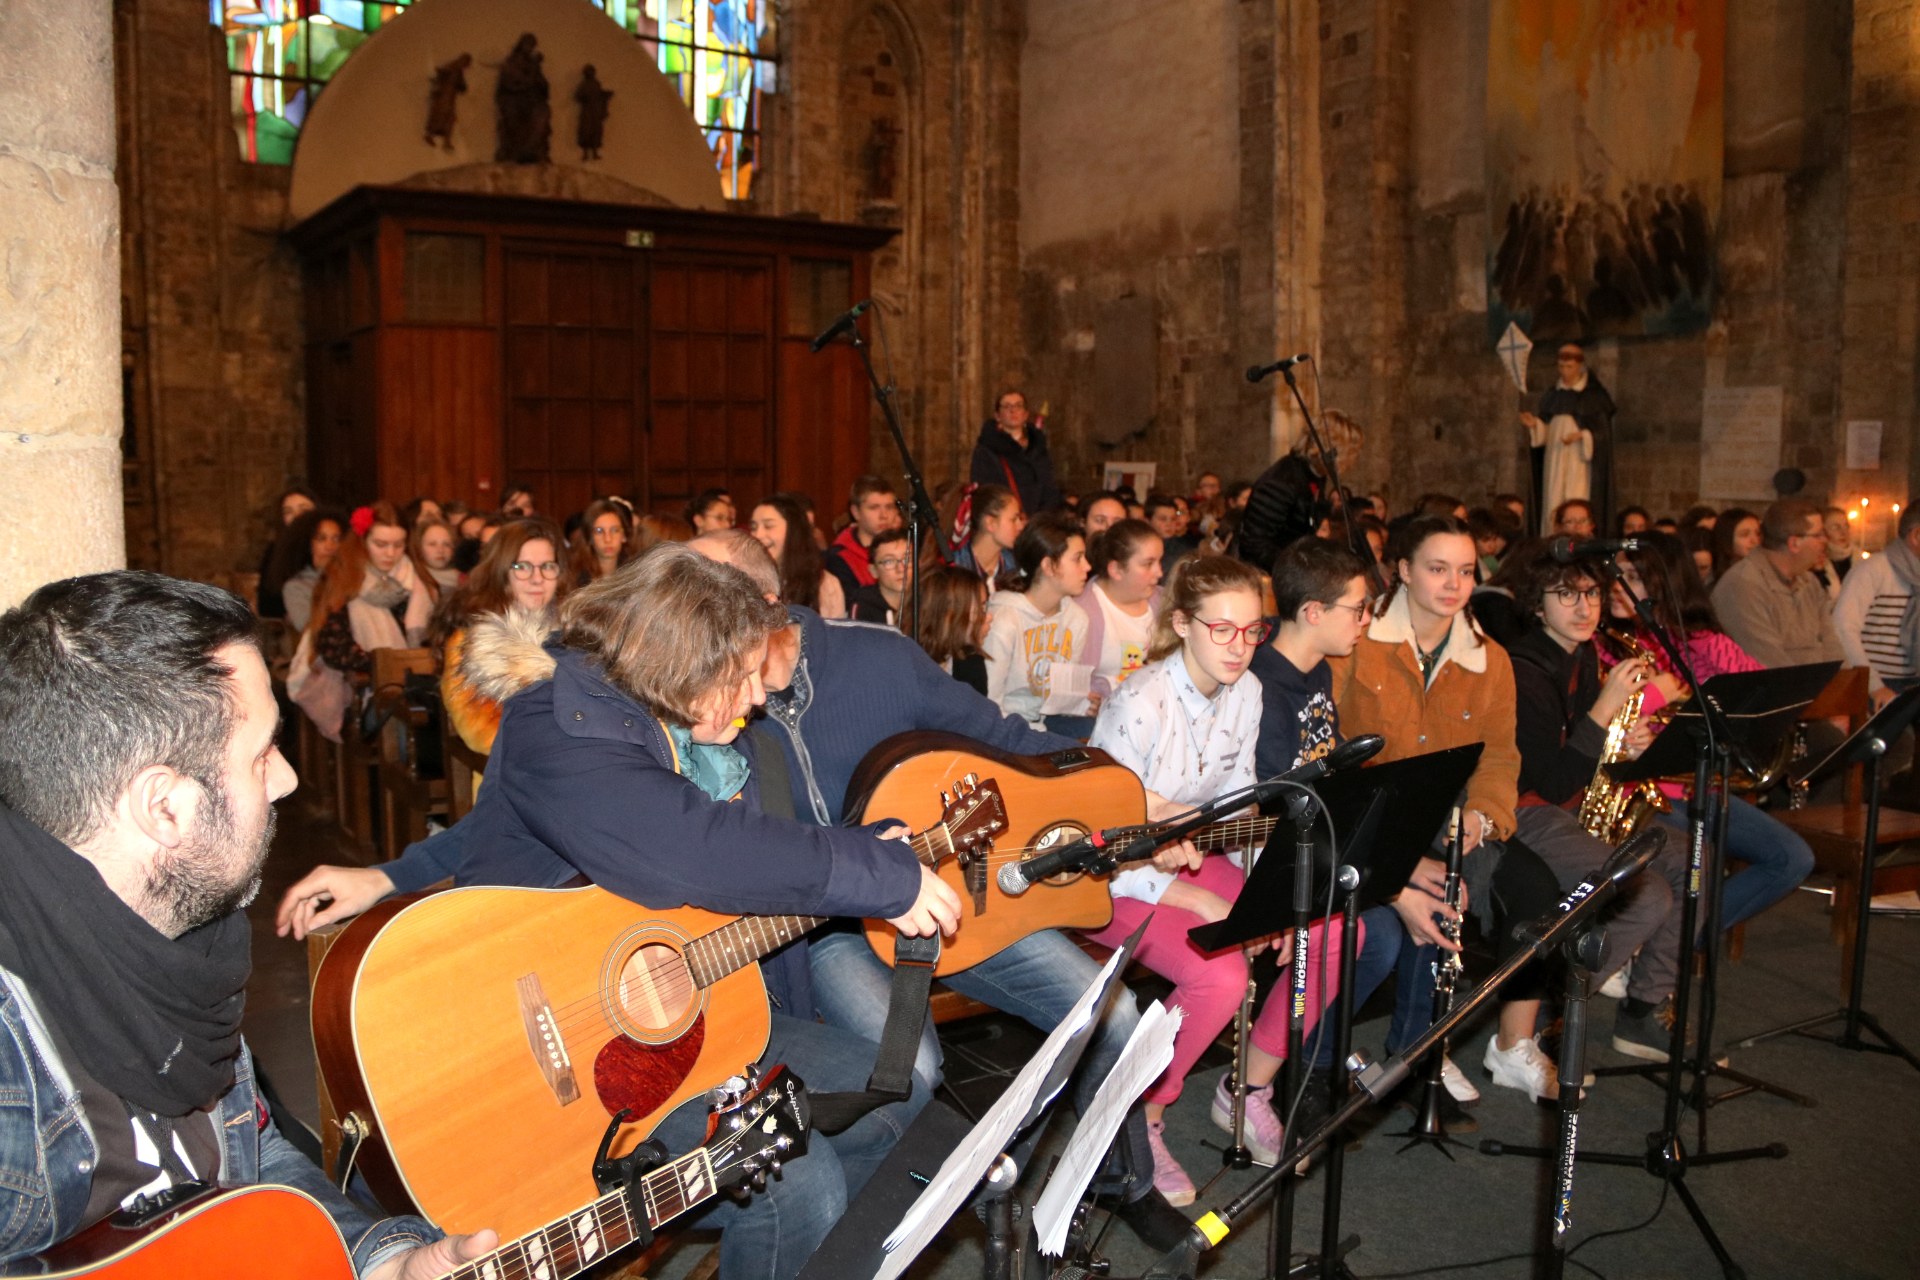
(409, 792)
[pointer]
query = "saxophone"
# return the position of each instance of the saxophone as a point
(1614, 811)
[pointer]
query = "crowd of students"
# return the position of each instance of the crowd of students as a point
(1202, 641)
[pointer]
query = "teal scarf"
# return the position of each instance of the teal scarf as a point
(720, 771)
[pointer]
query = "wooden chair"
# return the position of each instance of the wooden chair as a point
(409, 795)
(1837, 832)
(354, 780)
(464, 767)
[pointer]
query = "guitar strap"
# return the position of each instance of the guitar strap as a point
(913, 963)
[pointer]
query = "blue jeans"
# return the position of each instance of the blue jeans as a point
(1036, 979)
(770, 1235)
(1777, 861)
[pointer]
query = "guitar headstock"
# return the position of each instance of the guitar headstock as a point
(974, 812)
(758, 1129)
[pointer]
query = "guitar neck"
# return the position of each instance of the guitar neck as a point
(737, 945)
(1234, 833)
(570, 1245)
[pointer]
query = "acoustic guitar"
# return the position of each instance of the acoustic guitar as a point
(1050, 801)
(277, 1233)
(479, 1040)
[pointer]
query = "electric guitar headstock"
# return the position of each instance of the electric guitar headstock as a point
(756, 1127)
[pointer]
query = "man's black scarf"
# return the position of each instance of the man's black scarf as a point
(154, 1019)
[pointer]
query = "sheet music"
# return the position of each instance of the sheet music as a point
(1141, 1063)
(1068, 684)
(962, 1172)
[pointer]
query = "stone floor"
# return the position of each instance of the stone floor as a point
(1841, 1205)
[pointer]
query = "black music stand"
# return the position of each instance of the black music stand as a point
(1745, 708)
(1866, 747)
(1752, 711)
(1376, 858)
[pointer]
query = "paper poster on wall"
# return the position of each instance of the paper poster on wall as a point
(1740, 442)
(1136, 475)
(1863, 446)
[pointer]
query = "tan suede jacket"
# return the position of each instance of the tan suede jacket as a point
(1471, 699)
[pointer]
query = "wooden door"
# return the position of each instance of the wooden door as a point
(575, 372)
(711, 347)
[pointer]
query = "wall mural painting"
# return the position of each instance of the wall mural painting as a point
(1604, 144)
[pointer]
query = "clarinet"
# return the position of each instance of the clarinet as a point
(1237, 1155)
(1447, 965)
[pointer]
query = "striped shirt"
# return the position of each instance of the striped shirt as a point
(1869, 617)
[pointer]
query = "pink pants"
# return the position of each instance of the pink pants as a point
(1208, 987)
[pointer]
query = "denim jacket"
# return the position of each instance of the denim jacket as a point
(47, 1152)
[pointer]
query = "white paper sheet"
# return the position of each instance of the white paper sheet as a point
(1067, 686)
(1141, 1063)
(962, 1171)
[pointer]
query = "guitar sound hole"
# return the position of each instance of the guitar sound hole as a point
(655, 997)
(1052, 837)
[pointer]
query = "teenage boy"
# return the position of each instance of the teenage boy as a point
(872, 509)
(1564, 706)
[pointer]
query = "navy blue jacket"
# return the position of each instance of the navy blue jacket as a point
(999, 458)
(581, 781)
(856, 685)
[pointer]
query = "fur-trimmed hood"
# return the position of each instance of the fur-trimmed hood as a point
(506, 652)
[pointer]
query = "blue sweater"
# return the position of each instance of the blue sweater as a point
(856, 685)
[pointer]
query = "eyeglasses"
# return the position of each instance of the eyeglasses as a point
(1255, 633)
(1361, 611)
(526, 569)
(1570, 596)
(891, 562)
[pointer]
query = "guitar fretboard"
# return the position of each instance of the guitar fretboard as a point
(570, 1245)
(1234, 833)
(734, 946)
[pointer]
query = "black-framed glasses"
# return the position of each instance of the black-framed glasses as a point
(1361, 612)
(526, 569)
(1570, 596)
(1255, 633)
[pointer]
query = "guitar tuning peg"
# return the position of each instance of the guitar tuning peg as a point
(945, 799)
(972, 780)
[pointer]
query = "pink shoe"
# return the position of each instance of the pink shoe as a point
(1263, 1131)
(1169, 1179)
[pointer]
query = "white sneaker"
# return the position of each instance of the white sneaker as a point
(1457, 1083)
(1615, 988)
(1523, 1067)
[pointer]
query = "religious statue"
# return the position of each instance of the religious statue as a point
(449, 82)
(526, 119)
(593, 99)
(883, 149)
(1572, 438)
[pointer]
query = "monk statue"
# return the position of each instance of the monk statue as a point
(593, 98)
(443, 100)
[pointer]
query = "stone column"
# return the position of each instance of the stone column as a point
(60, 415)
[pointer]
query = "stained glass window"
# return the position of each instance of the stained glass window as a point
(718, 53)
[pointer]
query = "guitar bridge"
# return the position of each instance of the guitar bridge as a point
(545, 1039)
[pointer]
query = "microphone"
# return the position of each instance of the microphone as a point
(1349, 753)
(1259, 371)
(840, 326)
(1566, 550)
(1017, 877)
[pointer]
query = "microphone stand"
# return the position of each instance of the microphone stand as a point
(921, 515)
(1303, 808)
(1329, 462)
(1375, 1081)
(1666, 1156)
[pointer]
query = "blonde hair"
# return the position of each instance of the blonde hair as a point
(1193, 580)
(670, 628)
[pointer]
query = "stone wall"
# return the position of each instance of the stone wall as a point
(212, 307)
(1362, 234)
(59, 413)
